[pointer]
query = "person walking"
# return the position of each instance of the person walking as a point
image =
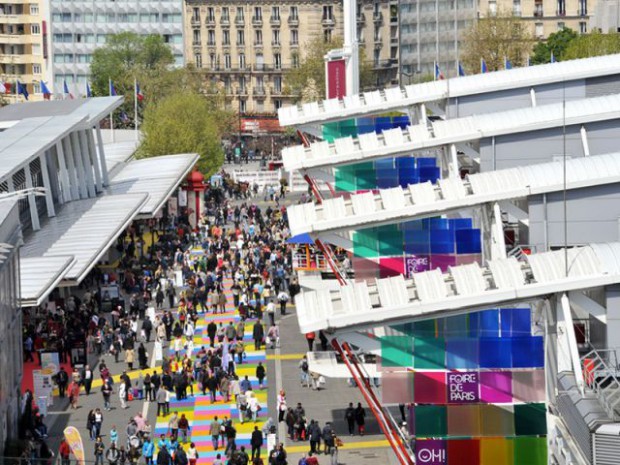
(281, 405)
(192, 454)
(349, 416)
(184, 427)
(87, 379)
(256, 442)
(163, 456)
(122, 393)
(215, 433)
(310, 337)
(173, 424)
(314, 434)
(112, 455)
(360, 418)
(64, 451)
(260, 374)
(62, 379)
(129, 358)
(258, 334)
(161, 401)
(99, 449)
(304, 371)
(106, 392)
(148, 450)
(148, 389)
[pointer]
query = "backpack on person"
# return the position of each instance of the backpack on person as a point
(304, 366)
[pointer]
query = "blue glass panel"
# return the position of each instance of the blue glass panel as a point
(489, 323)
(425, 161)
(462, 354)
(428, 173)
(495, 352)
(527, 352)
(468, 241)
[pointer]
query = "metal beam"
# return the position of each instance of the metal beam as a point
(64, 173)
(569, 328)
(49, 200)
(32, 202)
(79, 165)
(75, 192)
(584, 303)
(101, 154)
(520, 215)
(86, 162)
(92, 152)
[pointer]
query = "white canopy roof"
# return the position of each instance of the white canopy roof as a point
(26, 140)
(84, 229)
(396, 142)
(395, 98)
(465, 288)
(118, 152)
(425, 200)
(41, 275)
(159, 176)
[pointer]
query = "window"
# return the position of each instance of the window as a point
(295, 60)
(196, 14)
(101, 38)
(583, 8)
(294, 37)
(258, 13)
(227, 84)
(277, 104)
(210, 14)
(36, 69)
(35, 29)
(34, 9)
(328, 13)
(276, 37)
(277, 61)
(198, 60)
(63, 38)
(294, 13)
(260, 107)
(240, 38)
(539, 30)
(327, 35)
(492, 8)
(226, 37)
(561, 8)
(212, 61)
(225, 14)
(240, 13)
(583, 27)
(242, 82)
(242, 61)
(516, 7)
(165, 18)
(149, 17)
(275, 12)
(210, 37)
(242, 106)
(258, 37)
(227, 62)
(196, 34)
(561, 26)
(277, 84)
(62, 17)
(83, 58)
(260, 82)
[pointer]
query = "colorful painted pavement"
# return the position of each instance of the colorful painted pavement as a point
(199, 410)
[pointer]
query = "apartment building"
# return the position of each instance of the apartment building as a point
(24, 46)
(545, 16)
(79, 27)
(249, 46)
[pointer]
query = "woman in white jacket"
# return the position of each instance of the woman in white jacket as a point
(122, 391)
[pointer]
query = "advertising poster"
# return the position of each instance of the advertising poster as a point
(50, 361)
(43, 386)
(173, 206)
(182, 198)
(416, 264)
(462, 387)
(430, 452)
(73, 437)
(336, 79)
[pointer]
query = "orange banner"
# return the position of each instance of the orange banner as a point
(73, 437)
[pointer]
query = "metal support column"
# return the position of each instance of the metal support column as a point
(75, 191)
(92, 152)
(79, 165)
(65, 185)
(32, 202)
(49, 200)
(101, 154)
(87, 163)
(569, 327)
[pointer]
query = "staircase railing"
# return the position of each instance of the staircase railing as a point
(601, 375)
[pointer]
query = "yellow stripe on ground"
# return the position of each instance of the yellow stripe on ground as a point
(379, 443)
(285, 356)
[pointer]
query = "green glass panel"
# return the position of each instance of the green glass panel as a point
(429, 353)
(396, 351)
(366, 176)
(530, 420)
(532, 451)
(365, 243)
(390, 244)
(426, 328)
(345, 179)
(431, 421)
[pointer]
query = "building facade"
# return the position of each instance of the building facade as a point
(545, 17)
(24, 47)
(79, 27)
(247, 47)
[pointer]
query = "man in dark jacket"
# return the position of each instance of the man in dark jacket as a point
(256, 442)
(211, 332)
(258, 334)
(163, 457)
(349, 416)
(314, 434)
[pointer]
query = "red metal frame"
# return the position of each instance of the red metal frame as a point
(386, 426)
(329, 256)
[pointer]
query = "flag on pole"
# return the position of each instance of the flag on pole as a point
(461, 69)
(507, 64)
(45, 91)
(65, 89)
(483, 66)
(124, 117)
(139, 94)
(2, 88)
(552, 58)
(22, 90)
(89, 94)
(438, 74)
(112, 89)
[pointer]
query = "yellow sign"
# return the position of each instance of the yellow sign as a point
(73, 437)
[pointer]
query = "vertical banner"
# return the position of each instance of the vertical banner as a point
(73, 437)
(336, 79)
(430, 452)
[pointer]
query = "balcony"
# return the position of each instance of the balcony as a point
(196, 42)
(225, 21)
(239, 20)
(516, 11)
(241, 91)
(328, 22)
(211, 43)
(538, 12)
(294, 44)
(210, 21)
(293, 20)
(394, 40)
(259, 92)
(378, 42)
(257, 21)
(377, 17)
(276, 43)
(560, 13)
(258, 43)
(195, 22)
(275, 21)
(361, 19)
(276, 91)
(16, 59)
(261, 67)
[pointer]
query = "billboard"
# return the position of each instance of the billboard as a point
(336, 78)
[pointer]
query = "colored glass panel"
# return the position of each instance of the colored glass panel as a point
(430, 451)
(396, 351)
(391, 266)
(429, 354)
(430, 387)
(365, 243)
(345, 179)
(495, 352)
(528, 386)
(463, 452)
(497, 420)
(426, 328)
(431, 421)
(397, 387)
(516, 322)
(528, 352)
(456, 326)
(531, 451)
(495, 451)
(390, 243)
(530, 419)
(464, 420)
(365, 270)
(489, 323)
(462, 354)
(496, 387)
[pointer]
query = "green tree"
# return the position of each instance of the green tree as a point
(184, 122)
(556, 43)
(494, 39)
(311, 70)
(124, 57)
(594, 44)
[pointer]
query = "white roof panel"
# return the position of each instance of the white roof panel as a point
(564, 71)
(158, 176)
(39, 276)
(458, 130)
(464, 289)
(84, 229)
(118, 152)
(425, 200)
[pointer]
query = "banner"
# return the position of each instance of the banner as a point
(43, 386)
(173, 206)
(430, 452)
(50, 361)
(416, 264)
(462, 387)
(336, 79)
(182, 198)
(73, 437)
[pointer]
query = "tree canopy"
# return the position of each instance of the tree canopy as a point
(311, 70)
(183, 122)
(590, 45)
(125, 57)
(494, 39)
(556, 43)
